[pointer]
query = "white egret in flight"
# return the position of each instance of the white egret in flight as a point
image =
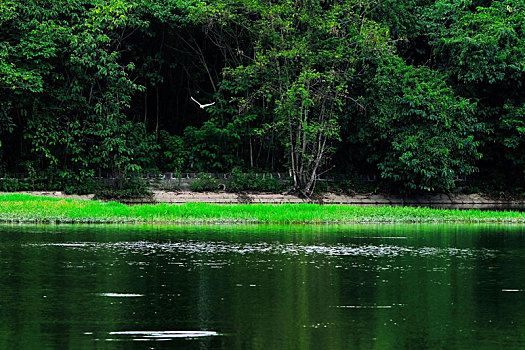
(201, 105)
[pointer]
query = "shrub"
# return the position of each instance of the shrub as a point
(173, 185)
(355, 184)
(240, 181)
(9, 185)
(87, 186)
(204, 183)
(124, 189)
(321, 187)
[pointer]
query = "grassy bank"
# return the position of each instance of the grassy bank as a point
(32, 209)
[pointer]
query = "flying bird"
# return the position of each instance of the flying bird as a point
(200, 104)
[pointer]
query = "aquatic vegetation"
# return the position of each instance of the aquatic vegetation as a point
(27, 208)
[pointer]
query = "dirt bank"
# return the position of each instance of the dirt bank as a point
(437, 200)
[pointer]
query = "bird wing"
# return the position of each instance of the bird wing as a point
(196, 101)
(208, 105)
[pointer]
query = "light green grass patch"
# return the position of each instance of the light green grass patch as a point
(32, 209)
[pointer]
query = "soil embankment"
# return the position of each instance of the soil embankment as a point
(432, 200)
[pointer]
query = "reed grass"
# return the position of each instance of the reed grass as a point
(31, 209)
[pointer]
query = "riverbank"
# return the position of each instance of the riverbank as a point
(25, 208)
(448, 201)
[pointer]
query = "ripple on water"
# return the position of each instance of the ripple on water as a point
(292, 249)
(159, 335)
(370, 306)
(120, 295)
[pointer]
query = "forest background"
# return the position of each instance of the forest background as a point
(416, 93)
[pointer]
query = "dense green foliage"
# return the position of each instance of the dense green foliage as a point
(414, 93)
(27, 208)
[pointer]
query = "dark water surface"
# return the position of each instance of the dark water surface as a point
(262, 287)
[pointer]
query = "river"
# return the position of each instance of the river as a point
(262, 287)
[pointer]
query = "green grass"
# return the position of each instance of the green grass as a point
(32, 209)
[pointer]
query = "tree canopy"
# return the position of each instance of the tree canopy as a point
(417, 93)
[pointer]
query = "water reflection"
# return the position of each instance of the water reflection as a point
(158, 335)
(120, 295)
(262, 287)
(212, 248)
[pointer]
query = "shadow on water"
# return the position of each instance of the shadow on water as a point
(262, 287)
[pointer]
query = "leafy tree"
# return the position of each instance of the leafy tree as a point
(415, 90)
(68, 78)
(479, 46)
(303, 56)
(419, 134)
